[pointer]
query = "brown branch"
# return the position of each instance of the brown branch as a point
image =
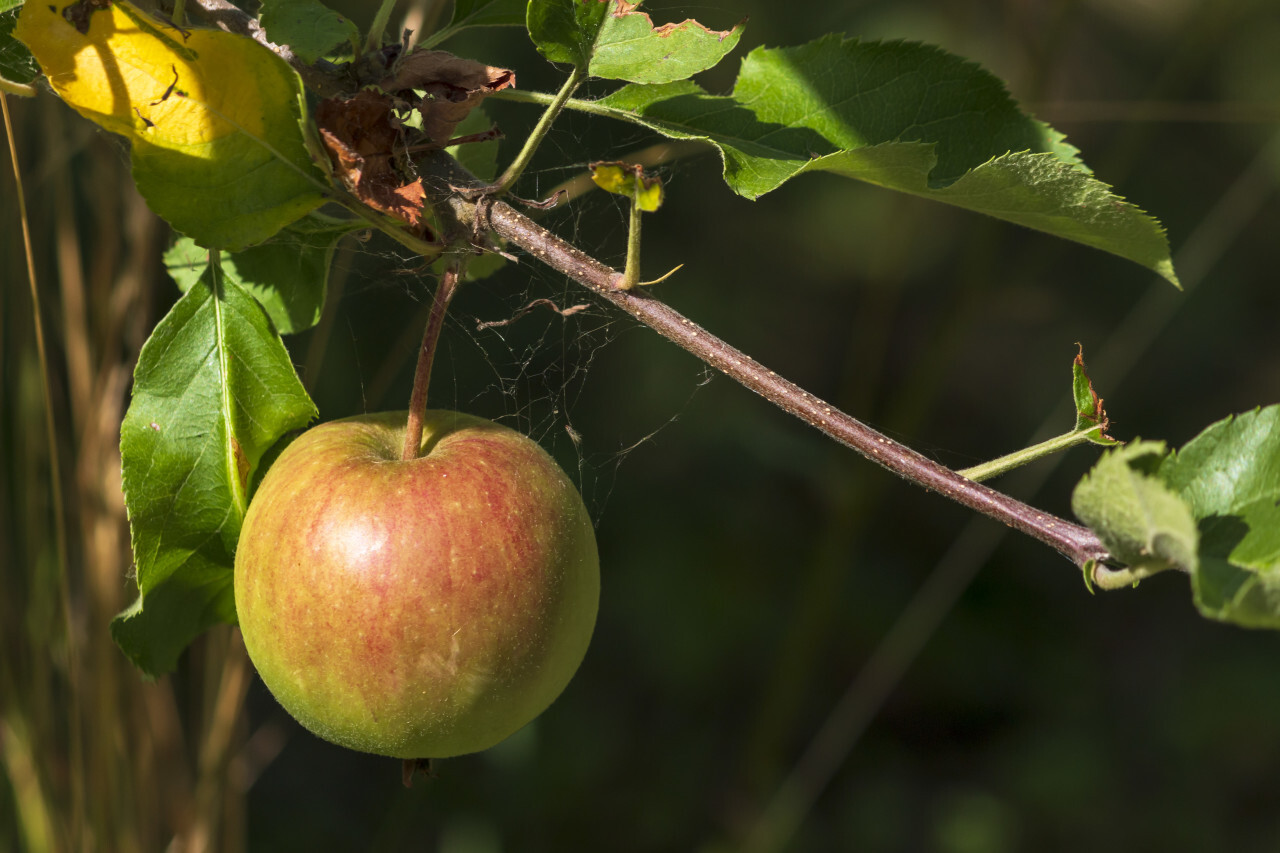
(537, 303)
(1077, 543)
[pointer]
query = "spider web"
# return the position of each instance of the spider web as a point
(520, 346)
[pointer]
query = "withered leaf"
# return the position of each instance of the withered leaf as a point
(453, 87)
(360, 134)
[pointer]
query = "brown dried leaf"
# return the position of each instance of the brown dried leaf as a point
(360, 134)
(453, 88)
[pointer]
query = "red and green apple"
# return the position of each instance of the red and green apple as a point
(416, 608)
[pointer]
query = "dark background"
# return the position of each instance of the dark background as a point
(751, 568)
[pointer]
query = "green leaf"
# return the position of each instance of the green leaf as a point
(1091, 417)
(563, 30)
(1231, 465)
(1086, 399)
(1227, 480)
(309, 27)
(907, 117)
(16, 62)
(1228, 592)
(213, 118)
(1041, 192)
(1143, 522)
(213, 390)
(1230, 476)
(287, 275)
(1260, 548)
(614, 40)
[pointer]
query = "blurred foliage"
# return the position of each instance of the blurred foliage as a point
(751, 568)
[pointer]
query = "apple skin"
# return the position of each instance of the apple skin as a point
(418, 609)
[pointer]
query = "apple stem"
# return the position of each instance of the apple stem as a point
(426, 355)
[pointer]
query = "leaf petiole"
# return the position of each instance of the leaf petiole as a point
(379, 26)
(645, 194)
(631, 272)
(1104, 577)
(539, 132)
(1017, 459)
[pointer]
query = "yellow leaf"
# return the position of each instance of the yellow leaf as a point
(213, 117)
(629, 180)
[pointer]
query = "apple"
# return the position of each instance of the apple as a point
(422, 608)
